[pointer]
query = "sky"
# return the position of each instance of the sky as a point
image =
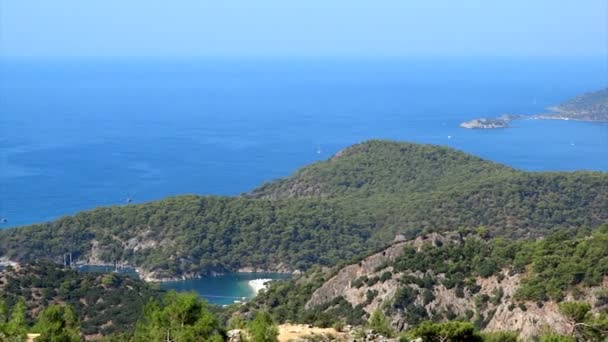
(356, 28)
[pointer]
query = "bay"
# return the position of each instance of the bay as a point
(79, 134)
(221, 289)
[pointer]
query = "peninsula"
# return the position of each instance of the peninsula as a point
(592, 107)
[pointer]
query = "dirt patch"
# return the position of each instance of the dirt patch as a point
(289, 332)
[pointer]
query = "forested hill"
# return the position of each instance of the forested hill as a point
(498, 284)
(329, 212)
(105, 303)
(384, 167)
(591, 106)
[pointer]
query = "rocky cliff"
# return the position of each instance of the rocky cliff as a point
(490, 301)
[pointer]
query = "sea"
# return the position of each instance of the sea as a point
(82, 133)
(220, 289)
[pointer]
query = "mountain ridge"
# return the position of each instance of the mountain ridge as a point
(367, 194)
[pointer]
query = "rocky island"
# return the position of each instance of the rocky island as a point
(484, 123)
(592, 107)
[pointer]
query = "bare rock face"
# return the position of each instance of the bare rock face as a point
(498, 310)
(340, 284)
(530, 322)
(235, 335)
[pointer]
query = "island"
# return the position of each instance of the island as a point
(485, 123)
(591, 107)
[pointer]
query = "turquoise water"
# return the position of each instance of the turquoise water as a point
(223, 289)
(79, 134)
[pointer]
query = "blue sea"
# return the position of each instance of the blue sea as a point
(79, 134)
(222, 289)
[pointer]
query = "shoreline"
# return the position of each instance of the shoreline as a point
(258, 285)
(505, 120)
(151, 277)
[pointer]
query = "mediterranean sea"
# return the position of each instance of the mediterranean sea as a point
(79, 134)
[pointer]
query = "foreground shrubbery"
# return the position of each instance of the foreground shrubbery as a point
(183, 317)
(105, 303)
(177, 317)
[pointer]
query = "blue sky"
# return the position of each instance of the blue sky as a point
(378, 28)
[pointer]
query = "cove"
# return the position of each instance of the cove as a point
(223, 289)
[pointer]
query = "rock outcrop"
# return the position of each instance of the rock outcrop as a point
(493, 303)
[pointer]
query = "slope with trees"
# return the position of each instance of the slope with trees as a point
(326, 213)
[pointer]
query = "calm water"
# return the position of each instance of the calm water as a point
(76, 135)
(221, 289)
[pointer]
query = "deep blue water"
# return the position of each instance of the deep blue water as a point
(79, 134)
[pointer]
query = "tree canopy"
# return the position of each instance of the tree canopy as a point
(328, 212)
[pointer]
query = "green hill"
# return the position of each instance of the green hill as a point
(326, 213)
(498, 284)
(592, 106)
(383, 167)
(105, 303)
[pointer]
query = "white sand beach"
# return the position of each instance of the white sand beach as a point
(258, 284)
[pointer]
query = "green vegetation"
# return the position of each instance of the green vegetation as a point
(183, 317)
(13, 326)
(564, 262)
(325, 214)
(178, 317)
(448, 331)
(262, 328)
(590, 106)
(58, 324)
(500, 336)
(105, 303)
(554, 337)
(554, 265)
(584, 325)
(380, 324)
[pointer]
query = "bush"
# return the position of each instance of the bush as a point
(500, 336)
(552, 337)
(448, 331)
(386, 276)
(380, 324)
(262, 328)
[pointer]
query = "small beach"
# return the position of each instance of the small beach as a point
(227, 288)
(258, 284)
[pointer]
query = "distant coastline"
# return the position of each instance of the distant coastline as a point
(589, 107)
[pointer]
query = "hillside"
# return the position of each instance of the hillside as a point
(104, 303)
(324, 214)
(497, 284)
(591, 106)
(382, 167)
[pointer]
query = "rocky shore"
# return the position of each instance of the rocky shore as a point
(484, 123)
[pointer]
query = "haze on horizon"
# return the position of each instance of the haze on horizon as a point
(353, 28)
